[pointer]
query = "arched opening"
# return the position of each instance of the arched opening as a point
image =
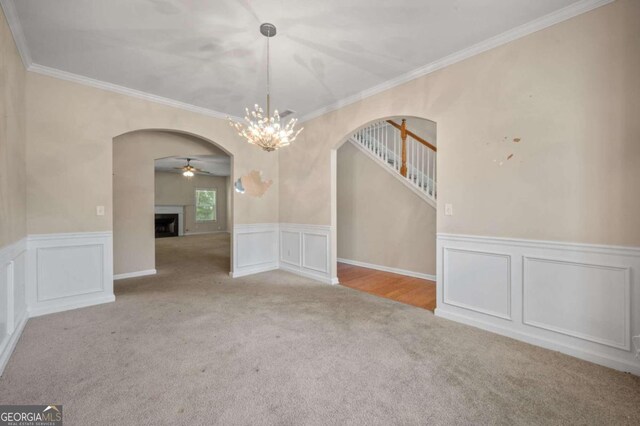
(384, 209)
(152, 198)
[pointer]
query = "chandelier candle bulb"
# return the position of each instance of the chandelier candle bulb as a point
(262, 130)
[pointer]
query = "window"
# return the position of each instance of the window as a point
(205, 205)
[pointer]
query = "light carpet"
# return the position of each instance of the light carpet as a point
(193, 346)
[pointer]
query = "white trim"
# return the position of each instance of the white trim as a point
(10, 343)
(68, 236)
(531, 27)
(95, 287)
(541, 23)
(99, 84)
(186, 234)
(557, 245)
(64, 305)
(16, 29)
(13, 250)
(388, 269)
(626, 344)
(304, 264)
(255, 248)
(303, 227)
(395, 174)
(593, 341)
(317, 276)
(252, 271)
(134, 274)
(607, 361)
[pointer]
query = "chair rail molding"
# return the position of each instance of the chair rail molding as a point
(579, 299)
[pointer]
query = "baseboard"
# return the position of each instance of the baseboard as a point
(134, 274)
(11, 342)
(388, 269)
(308, 274)
(204, 233)
(252, 271)
(68, 306)
(611, 362)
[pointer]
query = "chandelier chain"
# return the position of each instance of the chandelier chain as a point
(268, 75)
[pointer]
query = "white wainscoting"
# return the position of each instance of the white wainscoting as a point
(579, 299)
(68, 271)
(13, 305)
(255, 248)
(305, 250)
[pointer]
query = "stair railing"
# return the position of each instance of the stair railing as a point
(412, 156)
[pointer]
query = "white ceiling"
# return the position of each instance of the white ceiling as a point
(216, 165)
(210, 53)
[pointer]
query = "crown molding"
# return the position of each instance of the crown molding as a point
(18, 35)
(553, 18)
(541, 23)
(11, 15)
(76, 78)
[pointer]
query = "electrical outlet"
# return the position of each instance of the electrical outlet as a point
(99, 210)
(448, 209)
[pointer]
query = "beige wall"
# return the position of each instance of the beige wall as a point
(134, 157)
(380, 220)
(571, 93)
(69, 153)
(12, 140)
(174, 189)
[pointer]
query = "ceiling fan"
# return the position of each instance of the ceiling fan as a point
(188, 170)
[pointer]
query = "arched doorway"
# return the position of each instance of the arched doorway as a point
(384, 198)
(134, 197)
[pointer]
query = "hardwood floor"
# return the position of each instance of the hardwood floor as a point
(409, 290)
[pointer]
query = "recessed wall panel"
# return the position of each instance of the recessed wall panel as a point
(69, 271)
(582, 300)
(479, 281)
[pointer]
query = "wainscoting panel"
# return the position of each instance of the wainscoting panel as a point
(255, 248)
(13, 308)
(68, 271)
(290, 252)
(487, 290)
(582, 300)
(305, 250)
(579, 299)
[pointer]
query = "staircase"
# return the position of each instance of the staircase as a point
(403, 153)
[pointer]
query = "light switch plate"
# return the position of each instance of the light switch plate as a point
(99, 210)
(448, 209)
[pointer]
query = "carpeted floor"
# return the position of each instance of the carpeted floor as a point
(193, 346)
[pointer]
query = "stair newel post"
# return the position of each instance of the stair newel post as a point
(403, 136)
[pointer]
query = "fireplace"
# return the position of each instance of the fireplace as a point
(166, 225)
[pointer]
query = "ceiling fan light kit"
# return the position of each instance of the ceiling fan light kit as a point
(189, 171)
(266, 131)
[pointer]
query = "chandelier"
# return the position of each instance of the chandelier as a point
(262, 130)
